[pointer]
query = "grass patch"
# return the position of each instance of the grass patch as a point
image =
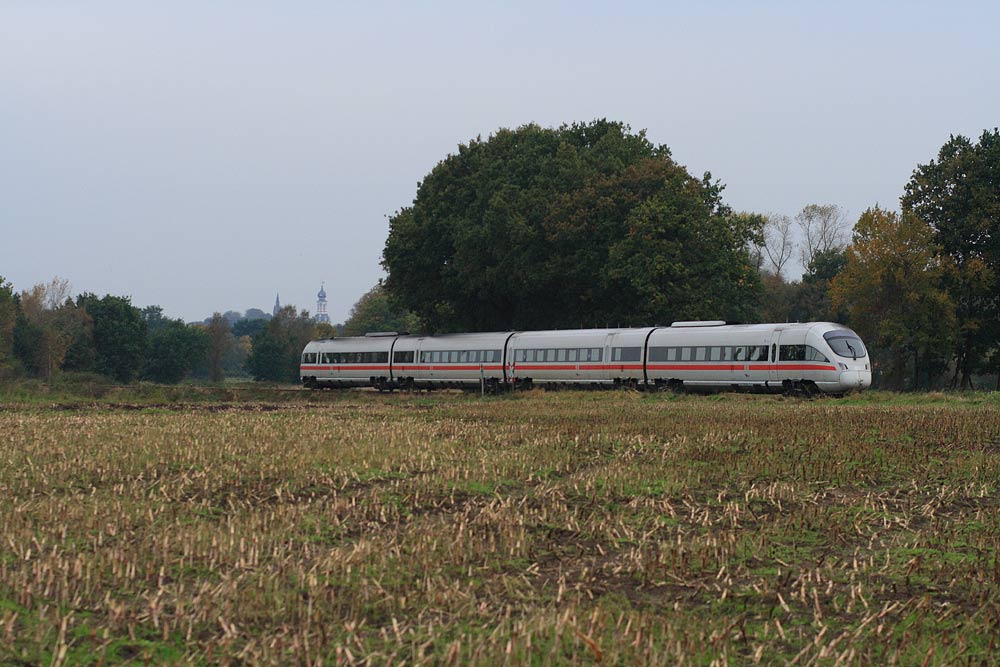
(201, 525)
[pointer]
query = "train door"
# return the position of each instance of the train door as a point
(772, 356)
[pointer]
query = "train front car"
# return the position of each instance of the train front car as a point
(796, 358)
(847, 353)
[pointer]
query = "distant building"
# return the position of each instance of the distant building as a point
(321, 314)
(277, 306)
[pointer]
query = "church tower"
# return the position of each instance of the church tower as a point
(321, 314)
(277, 306)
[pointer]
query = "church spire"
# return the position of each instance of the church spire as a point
(277, 305)
(321, 314)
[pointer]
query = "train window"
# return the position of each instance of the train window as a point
(402, 357)
(626, 354)
(739, 353)
(812, 354)
(793, 353)
(673, 353)
(715, 353)
(687, 353)
(561, 355)
(758, 353)
(309, 357)
(845, 345)
(463, 356)
(572, 355)
(701, 354)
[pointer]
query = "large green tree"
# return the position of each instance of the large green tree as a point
(48, 326)
(583, 225)
(119, 335)
(375, 311)
(278, 347)
(958, 195)
(891, 286)
(8, 315)
(172, 350)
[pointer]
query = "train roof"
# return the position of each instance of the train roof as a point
(711, 325)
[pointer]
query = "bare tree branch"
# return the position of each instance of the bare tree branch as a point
(824, 228)
(778, 243)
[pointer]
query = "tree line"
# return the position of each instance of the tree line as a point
(591, 225)
(45, 333)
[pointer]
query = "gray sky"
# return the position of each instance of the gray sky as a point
(204, 155)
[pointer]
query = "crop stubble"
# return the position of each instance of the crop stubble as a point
(540, 528)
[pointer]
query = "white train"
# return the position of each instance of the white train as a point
(805, 358)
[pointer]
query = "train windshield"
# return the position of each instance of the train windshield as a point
(845, 344)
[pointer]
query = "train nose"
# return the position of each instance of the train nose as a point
(855, 379)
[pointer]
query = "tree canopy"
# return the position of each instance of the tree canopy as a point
(374, 311)
(172, 350)
(583, 225)
(958, 195)
(891, 289)
(276, 348)
(119, 331)
(8, 316)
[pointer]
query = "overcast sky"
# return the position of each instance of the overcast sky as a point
(205, 155)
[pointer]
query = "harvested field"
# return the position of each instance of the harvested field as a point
(539, 528)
